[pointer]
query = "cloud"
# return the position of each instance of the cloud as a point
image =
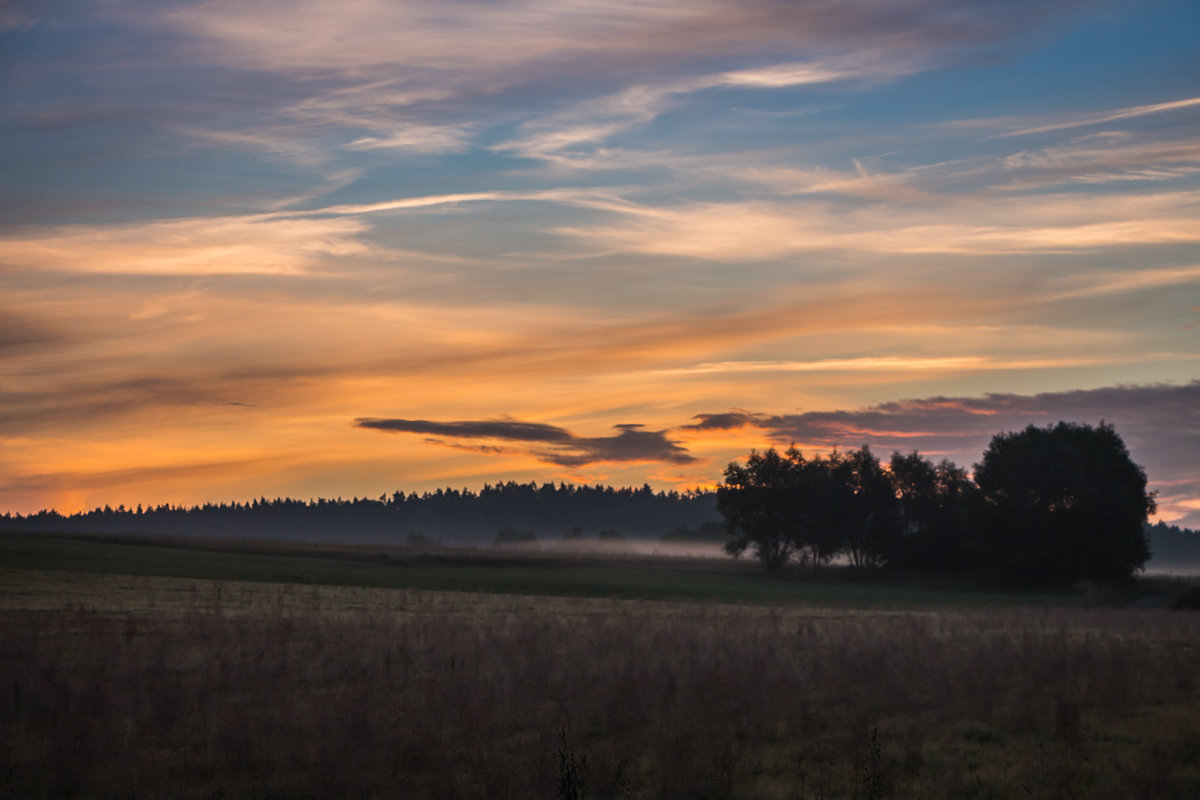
(1110, 157)
(510, 430)
(739, 231)
(862, 183)
(19, 332)
(574, 138)
(283, 242)
(524, 37)
(415, 138)
(79, 481)
(562, 195)
(429, 77)
(726, 421)
(1121, 282)
(631, 444)
(1101, 117)
(784, 76)
(874, 364)
(1158, 408)
(253, 244)
(81, 404)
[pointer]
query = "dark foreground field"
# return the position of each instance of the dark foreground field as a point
(122, 678)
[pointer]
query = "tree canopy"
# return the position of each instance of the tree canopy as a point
(1063, 502)
(785, 505)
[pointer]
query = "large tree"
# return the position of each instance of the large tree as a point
(1062, 503)
(760, 503)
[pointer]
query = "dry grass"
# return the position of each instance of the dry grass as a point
(115, 686)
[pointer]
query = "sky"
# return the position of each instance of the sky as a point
(318, 249)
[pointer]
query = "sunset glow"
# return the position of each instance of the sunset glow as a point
(340, 249)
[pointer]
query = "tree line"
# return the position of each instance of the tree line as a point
(1044, 505)
(448, 516)
(1174, 547)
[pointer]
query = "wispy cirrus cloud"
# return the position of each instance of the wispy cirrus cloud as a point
(416, 138)
(756, 229)
(281, 242)
(192, 246)
(1109, 157)
(515, 37)
(904, 186)
(577, 138)
(1102, 117)
(412, 68)
(297, 241)
(1121, 282)
(356, 118)
(900, 364)
(551, 444)
(564, 195)
(86, 481)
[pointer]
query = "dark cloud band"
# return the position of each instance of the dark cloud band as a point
(559, 446)
(1159, 421)
(509, 430)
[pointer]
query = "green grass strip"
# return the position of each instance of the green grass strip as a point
(566, 577)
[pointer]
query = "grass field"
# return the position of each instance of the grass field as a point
(506, 572)
(143, 670)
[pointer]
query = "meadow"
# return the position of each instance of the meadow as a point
(167, 669)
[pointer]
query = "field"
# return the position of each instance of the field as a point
(159, 669)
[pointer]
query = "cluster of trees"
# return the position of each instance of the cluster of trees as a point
(1050, 504)
(449, 516)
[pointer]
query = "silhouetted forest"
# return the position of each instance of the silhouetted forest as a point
(446, 516)
(1171, 545)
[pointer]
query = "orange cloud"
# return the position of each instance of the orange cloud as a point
(754, 230)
